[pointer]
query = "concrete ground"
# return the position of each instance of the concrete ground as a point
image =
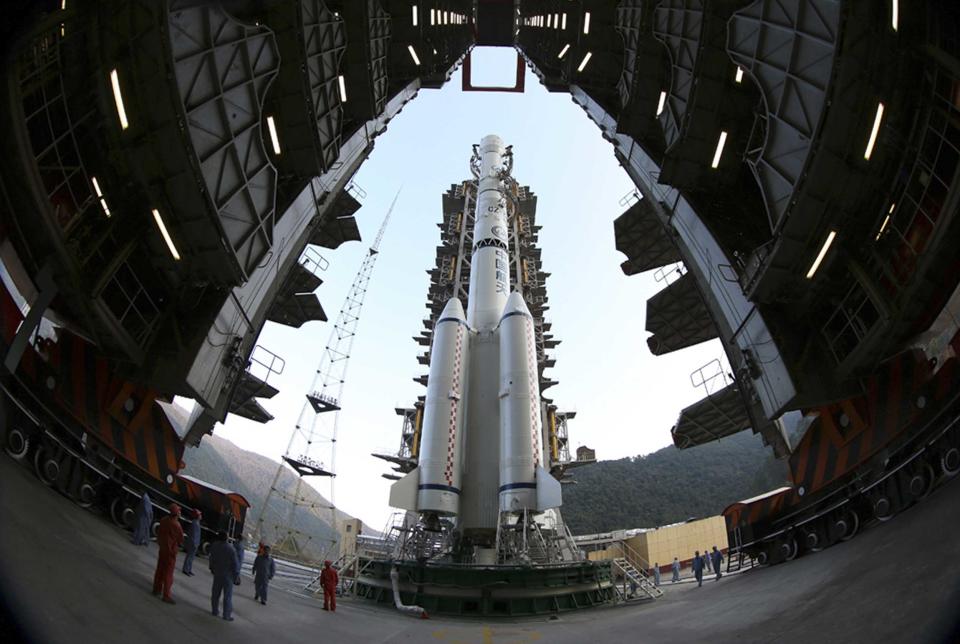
(69, 576)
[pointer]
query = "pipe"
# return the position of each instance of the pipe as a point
(395, 582)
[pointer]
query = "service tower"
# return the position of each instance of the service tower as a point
(483, 453)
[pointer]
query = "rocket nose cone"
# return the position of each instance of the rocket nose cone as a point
(515, 304)
(453, 309)
(491, 142)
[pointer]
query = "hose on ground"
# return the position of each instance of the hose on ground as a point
(413, 610)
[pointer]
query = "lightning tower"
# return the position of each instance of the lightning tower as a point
(312, 449)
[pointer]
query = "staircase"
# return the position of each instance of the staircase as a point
(736, 552)
(626, 566)
(632, 576)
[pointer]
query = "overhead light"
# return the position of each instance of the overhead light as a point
(446, 17)
(873, 132)
(821, 254)
(434, 51)
(118, 99)
(274, 139)
(894, 13)
(413, 55)
(103, 202)
(343, 89)
(432, 16)
(63, 6)
(564, 50)
(556, 21)
(883, 226)
(716, 155)
(166, 236)
(886, 220)
(549, 18)
(414, 15)
(739, 77)
(663, 99)
(563, 22)
(583, 63)
(586, 22)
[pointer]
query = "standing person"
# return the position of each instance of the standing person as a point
(169, 538)
(676, 570)
(698, 567)
(141, 532)
(191, 544)
(225, 567)
(656, 574)
(329, 580)
(717, 557)
(264, 568)
(238, 548)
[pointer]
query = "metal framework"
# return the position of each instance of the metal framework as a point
(312, 449)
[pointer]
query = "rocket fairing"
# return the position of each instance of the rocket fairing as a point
(512, 421)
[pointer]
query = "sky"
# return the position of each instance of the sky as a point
(626, 399)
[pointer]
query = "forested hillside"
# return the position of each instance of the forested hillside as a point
(670, 485)
(220, 462)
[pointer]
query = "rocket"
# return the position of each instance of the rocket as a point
(483, 385)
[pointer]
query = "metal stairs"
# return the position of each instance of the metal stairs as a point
(634, 577)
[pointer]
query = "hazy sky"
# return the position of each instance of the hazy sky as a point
(626, 399)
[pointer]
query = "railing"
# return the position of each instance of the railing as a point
(670, 274)
(313, 261)
(268, 362)
(630, 198)
(356, 191)
(707, 375)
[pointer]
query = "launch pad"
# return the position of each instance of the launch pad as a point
(491, 591)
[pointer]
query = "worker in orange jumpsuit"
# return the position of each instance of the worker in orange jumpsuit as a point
(329, 580)
(169, 538)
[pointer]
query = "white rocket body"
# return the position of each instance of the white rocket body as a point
(520, 425)
(485, 436)
(441, 438)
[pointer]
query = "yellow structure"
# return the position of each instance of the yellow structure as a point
(661, 545)
(349, 529)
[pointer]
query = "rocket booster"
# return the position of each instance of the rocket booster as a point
(513, 421)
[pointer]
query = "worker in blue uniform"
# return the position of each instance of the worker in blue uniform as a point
(717, 557)
(676, 571)
(656, 574)
(238, 548)
(141, 531)
(225, 567)
(264, 568)
(698, 563)
(191, 544)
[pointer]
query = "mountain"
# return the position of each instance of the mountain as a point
(670, 485)
(220, 462)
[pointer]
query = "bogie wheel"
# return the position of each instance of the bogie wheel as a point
(815, 538)
(18, 444)
(788, 548)
(153, 529)
(852, 520)
(921, 481)
(86, 495)
(884, 507)
(763, 557)
(121, 513)
(46, 465)
(950, 461)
